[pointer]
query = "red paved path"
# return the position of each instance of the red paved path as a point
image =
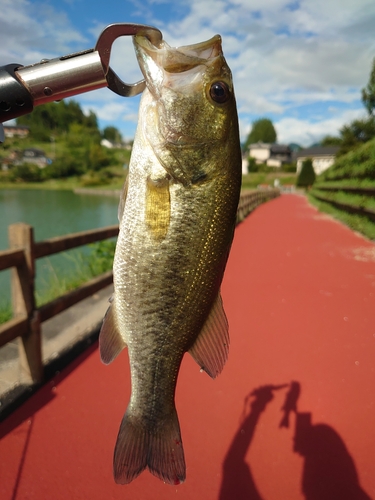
(299, 292)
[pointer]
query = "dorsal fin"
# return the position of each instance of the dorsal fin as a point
(111, 342)
(211, 348)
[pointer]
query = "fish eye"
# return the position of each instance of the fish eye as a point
(219, 92)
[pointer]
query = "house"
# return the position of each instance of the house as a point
(34, 155)
(273, 155)
(322, 157)
(245, 164)
(16, 131)
(29, 155)
(117, 145)
(108, 144)
(279, 154)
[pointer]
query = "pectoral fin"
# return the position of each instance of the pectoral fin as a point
(211, 348)
(111, 342)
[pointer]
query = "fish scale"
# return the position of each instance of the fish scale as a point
(177, 218)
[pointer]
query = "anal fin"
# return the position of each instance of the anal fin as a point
(210, 350)
(111, 342)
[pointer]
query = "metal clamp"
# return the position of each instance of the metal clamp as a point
(104, 45)
(22, 87)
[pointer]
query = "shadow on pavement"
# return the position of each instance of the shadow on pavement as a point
(329, 472)
(32, 398)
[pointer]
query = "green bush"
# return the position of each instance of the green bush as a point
(289, 167)
(252, 165)
(97, 178)
(26, 172)
(64, 166)
(307, 176)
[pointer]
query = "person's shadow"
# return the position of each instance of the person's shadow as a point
(329, 472)
(238, 482)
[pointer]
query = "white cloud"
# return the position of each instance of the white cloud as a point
(284, 54)
(305, 132)
(30, 31)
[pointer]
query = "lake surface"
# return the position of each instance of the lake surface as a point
(52, 213)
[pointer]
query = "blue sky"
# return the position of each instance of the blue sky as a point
(300, 63)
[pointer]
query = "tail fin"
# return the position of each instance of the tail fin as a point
(160, 449)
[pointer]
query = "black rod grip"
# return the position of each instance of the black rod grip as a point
(15, 99)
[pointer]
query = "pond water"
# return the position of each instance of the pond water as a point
(52, 213)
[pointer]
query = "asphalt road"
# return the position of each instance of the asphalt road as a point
(299, 292)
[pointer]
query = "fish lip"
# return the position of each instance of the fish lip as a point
(176, 59)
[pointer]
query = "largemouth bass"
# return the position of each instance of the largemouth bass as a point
(177, 217)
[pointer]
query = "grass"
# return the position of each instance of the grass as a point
(85, 267)
(352, 182)
(355, 222)
(356, 200)
(355, 169)
(5, 312)
(356, 164)
(251, 181)
(69, 183)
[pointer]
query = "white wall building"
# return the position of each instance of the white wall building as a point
(322, 157)
(273, 155)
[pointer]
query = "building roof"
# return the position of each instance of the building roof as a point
(14, 127)
(260, 145)
(275, 148)
(317, 151)
(280, 149)
(33, 152)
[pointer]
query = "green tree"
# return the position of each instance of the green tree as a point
(262, 131)
(356, 133)
(57, 117)
(359, 131)
(65, 165)
(112, 134)
(331, 140)
(98, 157)
(368, 93)
(307, 176)
(252, 165)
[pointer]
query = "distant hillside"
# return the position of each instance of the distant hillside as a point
(356, 167)
(294, 147)
(57, 118)
(347, 189)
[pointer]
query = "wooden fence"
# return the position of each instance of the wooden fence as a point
(21, 257)
(249, 200)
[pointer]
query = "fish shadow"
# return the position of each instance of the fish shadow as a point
(329, 471)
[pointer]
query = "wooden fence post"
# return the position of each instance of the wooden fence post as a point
(23, 302)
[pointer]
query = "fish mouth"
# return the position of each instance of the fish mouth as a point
(155, 61)
(178, 81)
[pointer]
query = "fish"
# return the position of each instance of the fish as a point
(290, 403)
(177, 216)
